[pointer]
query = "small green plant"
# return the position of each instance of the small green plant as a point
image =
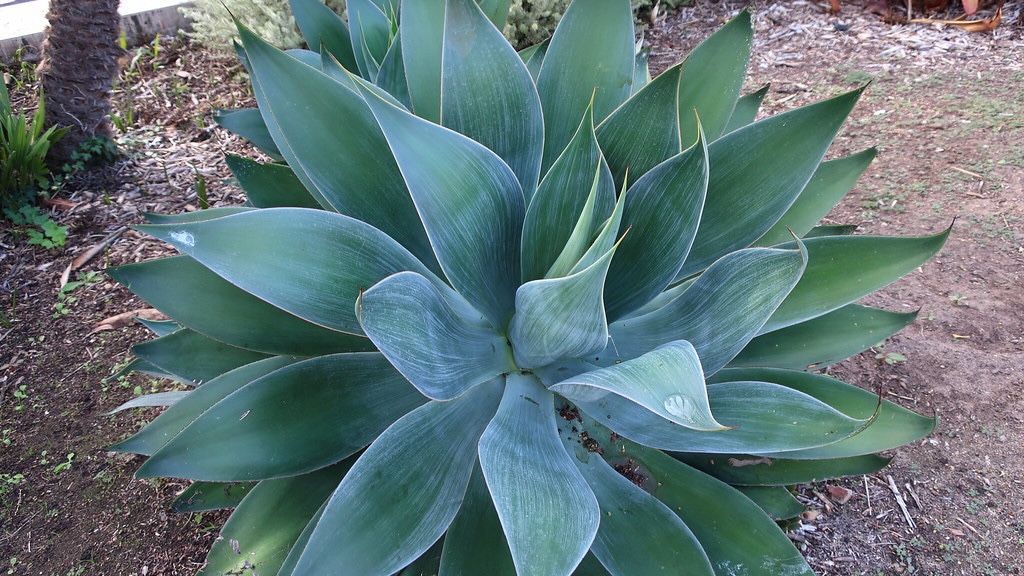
(8, 481)
(891, 358)
(65, 296)
(38, 227)
(20, 395)
(65, 465)
(528, 313)
(24, 146)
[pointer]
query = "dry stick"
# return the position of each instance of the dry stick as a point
(899, 500)
(867, 494)
(913, 495)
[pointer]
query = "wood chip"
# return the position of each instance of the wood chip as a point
(901, 503)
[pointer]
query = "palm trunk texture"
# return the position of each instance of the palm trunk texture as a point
(78, 68)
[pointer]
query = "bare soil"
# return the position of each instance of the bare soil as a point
(946, 109)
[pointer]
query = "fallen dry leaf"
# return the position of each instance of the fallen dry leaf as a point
(88, 254)
(839, 494)
(125, 318)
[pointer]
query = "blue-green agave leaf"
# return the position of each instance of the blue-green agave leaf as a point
(830, 183)
(475, 542)
(370, 27)
(667, 381)
(589, 57)
(433, 337)
(638, 535)
(324, 30)
(644, 131)
(496, 11)
(270, 185)
(733, 531)
(561, 317)
(268, 521)
(533, 56)
(203, 496)
(842, 269)
(296, 420)
(746, 470)
(434, 447)
(757, 172)
(890, 425)
(487, 93)
(761, 418)
(350, 170)
(196, 216)
(746, 109)
(555, 217)
(824, 340)
(392, 77)
(720, 312)
(776, 501)
(203, 301)
(330, 258)
(548, 512)
(174, 419)
(157, 399)
(192, 357)
(712, 76)
(248, 124)
(662, 213)
(469, 201)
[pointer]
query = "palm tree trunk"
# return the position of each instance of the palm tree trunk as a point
(78, 68)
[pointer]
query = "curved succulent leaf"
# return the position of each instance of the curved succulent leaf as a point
(203, 496)
(555, 216)
(475, 542)
(533, 57)
(487, 93)
(757, 172)
(197, 216)
(434, 338)
(172, 421)
(824, 340)
(667, 381)
(270, 185)
(307, 284)
(746, 109)
(831, 181)
(370, 27)
(890, 427)
(746, 470)
(158, 399)
(199, 299)
(761, 418)
(841, 269)
(295, 420)
(324, 30)
(712, 76)
(470, 203)
(352, 170)
(268, 521)
(589, 57)
(639, 535)
(641, 67)
(288, 566)
(733, 531)
(422, 32)
(496, 11)
(662, 212)
(248, 124)
(561, 317)
(159, 327)
(392, 77)
(836, 230)
(192, 357)
(435, 448)
(720, 312)
(548, 512)
(776, 501)
(644, 131)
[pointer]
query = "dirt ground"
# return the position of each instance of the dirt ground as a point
(946, 110)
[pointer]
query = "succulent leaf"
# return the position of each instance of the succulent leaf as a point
(324, 29)
(203, 496)
(193, 358)
(824, 340)
(589, 57)
(776, 501)
(747, 107)
(667, 381)
(415, 475)
(746, 470)
(475, 542)
(296, 420)
(435, 339)
(270, 185)
(248, 123)
(548, 512)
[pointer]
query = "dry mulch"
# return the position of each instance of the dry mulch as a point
(947, 111)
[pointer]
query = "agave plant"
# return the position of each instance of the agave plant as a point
(528, 313)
